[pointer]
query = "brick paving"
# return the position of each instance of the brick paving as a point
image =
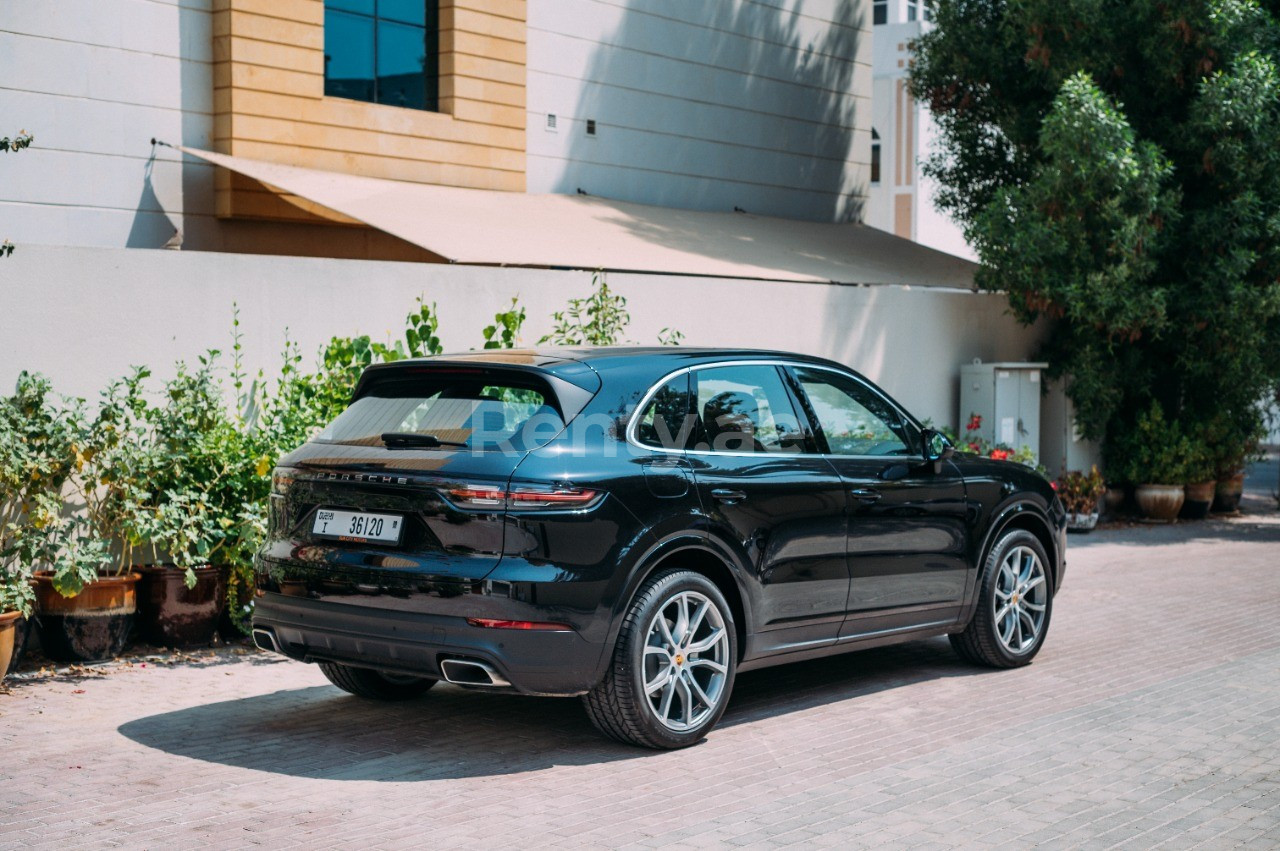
(1150, 719)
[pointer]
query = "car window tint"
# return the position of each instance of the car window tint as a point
(478, 413)
(666, 421)
(855, 420)
(745, 409)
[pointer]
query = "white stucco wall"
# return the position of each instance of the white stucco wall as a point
(890, 66)
(84, 315)
(94, 81)
(759, 104)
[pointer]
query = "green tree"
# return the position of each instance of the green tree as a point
(1114, 165)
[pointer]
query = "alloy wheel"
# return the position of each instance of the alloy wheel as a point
(1021, 600)
(686, 661)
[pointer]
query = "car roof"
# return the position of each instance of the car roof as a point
(677, 355)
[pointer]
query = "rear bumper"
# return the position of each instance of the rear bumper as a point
(533, 662)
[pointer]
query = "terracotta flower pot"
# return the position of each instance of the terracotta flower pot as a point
(21, 635)
(93, 625)
(1198, 499)
(1159, 502)
(1114, 499)
(1227, 493)
(8, 630)
(172, 615)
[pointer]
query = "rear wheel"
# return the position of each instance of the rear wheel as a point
(375, 685)
(673, 666)
(1014, 605)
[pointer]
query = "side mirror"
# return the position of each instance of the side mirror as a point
(936, 447)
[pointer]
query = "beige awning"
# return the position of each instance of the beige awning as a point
(483, 227)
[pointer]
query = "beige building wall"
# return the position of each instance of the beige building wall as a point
(269, 104)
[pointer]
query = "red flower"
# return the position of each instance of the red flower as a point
(974, 447)
(975, 423)
(1000, 454)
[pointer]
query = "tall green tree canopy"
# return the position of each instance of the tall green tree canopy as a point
(1116, 165)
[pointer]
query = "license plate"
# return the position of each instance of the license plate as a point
(359, 526)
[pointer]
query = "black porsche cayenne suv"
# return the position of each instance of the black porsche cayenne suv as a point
(636, 526)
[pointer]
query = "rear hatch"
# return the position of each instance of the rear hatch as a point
(406, 491)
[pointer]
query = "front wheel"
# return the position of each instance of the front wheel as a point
(1014, 605)
(673, 666)
(375, 685)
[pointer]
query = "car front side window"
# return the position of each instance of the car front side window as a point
(853, 419)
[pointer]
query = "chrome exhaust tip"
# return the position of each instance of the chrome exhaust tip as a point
(265, 639)
(472, 672)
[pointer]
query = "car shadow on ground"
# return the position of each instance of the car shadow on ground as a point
(453, 733)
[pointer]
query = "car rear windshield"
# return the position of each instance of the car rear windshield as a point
(459, 410)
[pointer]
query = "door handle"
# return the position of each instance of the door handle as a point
(867, 495)
(728, 495)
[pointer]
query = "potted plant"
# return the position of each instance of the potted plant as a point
(1081, 494)
(34, 464)
(190, 511)
(86, 599)
(1231, 446)
(1198, 493)
(1154, 453)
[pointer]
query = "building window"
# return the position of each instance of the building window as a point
(875, 156)
(383, 51)
(911, 10)
(880, 12)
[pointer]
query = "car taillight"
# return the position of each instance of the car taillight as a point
(480, 497)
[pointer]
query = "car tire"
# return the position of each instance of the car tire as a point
(668, 639)
(1015, 602)
(375, 685)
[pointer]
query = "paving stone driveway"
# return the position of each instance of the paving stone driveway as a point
(1151, 718)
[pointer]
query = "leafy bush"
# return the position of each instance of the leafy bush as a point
(182, 475)
(1080, 492)
(1154, 452)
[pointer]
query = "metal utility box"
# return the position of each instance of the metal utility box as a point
(1062, 449)
(1007, 397)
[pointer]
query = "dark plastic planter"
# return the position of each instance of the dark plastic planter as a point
(172, 615)
(91, 626)
(1227, 494)
(21, 632)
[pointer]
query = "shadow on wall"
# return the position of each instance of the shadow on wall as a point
(163, 219)
(675, 149)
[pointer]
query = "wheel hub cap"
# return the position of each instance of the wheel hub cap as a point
(1021, 600)
(686, 658)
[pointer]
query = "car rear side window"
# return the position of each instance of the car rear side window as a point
(745, 409)
(667, 422)
(476, 412)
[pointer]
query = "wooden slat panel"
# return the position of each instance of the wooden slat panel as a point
(297, 83)
(392, 169)
(487, 47)
(371, 142)
(484, 68)
(269, 104)
(289, 57)
(485, 90)
(384, 119)
(469, 20)
(302, 11)
(481, 112)
(514, 9)
(274, 30)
